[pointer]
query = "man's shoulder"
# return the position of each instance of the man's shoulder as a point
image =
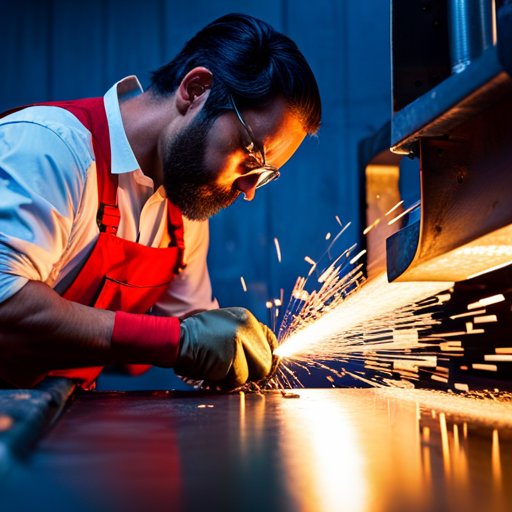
(53, 126)
(54, 118)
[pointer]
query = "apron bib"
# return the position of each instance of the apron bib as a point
(119, 275)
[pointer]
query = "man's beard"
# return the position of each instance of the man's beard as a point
(187, 182)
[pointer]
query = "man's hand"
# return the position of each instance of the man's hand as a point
(227, 347)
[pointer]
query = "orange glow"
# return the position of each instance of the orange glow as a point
(445, 445)
(496, 462)
(6, 422)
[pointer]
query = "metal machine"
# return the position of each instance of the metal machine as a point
(452, 109)
(452, 114)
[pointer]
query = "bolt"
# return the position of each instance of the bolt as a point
(460, 178)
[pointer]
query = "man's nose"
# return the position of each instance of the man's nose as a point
(247, 185)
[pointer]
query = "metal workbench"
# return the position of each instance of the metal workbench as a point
(327, 450)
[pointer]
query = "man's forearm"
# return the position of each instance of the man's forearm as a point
(39, 330)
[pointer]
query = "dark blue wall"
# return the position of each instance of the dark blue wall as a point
(62, 49)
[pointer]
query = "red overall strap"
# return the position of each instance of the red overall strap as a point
(91, 113)
(118, 275)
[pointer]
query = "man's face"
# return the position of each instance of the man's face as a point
(205, 167)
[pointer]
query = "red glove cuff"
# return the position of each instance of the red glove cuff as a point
(144, 339)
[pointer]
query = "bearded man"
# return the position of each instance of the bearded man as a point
(104, 205)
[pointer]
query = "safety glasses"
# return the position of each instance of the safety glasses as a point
(266, 172)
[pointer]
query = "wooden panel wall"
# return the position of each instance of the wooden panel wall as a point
(57, 49)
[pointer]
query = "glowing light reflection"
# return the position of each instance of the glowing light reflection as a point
(330, 465)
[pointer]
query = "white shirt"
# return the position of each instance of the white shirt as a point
(49, 202)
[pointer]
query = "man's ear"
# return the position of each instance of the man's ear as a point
(193, 86)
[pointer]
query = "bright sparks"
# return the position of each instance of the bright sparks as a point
(370, 227)
(244, 286)
(357, 256)
(409, 210)
(278, 249)
(394, 207)
(373, 304)
(486, 302)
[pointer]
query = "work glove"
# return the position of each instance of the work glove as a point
(225, 347)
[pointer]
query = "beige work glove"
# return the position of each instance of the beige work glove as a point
(226, 347)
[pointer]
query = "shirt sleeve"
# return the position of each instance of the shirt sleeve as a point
(41, 185)
(191, 289)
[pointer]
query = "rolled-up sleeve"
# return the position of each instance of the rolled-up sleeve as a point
(41, 186)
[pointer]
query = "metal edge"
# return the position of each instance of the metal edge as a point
(27, 414)
(448, 94)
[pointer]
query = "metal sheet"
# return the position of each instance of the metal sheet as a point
(465, 183)
(329, 450)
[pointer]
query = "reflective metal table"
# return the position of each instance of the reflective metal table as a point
(327, 450)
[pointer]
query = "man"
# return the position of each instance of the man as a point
(104, 205)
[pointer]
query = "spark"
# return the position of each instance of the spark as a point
(244, 286)
(278, 249)
(339, 221)
(497, 357)
(351, 315)
(394, 208)
(357, 256)
(409, 210)
(337, 237)
(471, 313)
(379, 333)
(486, 367)
(370, 227)
(328, 236)
(485, 319)
(487, 301)
(503, 350)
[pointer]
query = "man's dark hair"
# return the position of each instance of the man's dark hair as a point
(250, 60)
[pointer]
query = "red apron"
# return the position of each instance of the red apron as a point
(118, 275)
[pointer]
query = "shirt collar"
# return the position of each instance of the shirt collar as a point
(123, 159)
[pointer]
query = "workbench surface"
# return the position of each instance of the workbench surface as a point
(355, 450)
